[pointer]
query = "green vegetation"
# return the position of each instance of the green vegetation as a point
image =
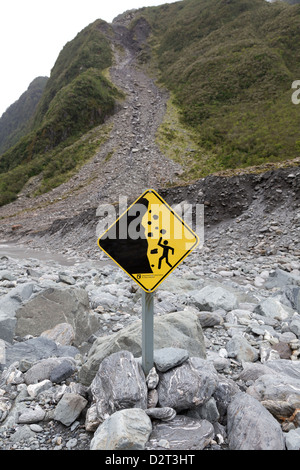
(56, 166)
(89, 49)
(179, 142)
(230, 66)
(77, 98)
(17, 119)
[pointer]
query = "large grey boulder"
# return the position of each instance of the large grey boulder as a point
(187, 386)
(252, 371)
(43, 369)
(250, 426)
(290, 296)
(69, 408)
(285, 367)
(279, 393)
(127, 429)
(9, 303)
(57, 305)
(213, 298)
(239, 348)
(280, 278)
(36, 349)
(273, 308)
(292, 439)
(178, 329)
(119, 384)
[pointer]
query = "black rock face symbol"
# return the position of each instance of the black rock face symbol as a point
(130, 254)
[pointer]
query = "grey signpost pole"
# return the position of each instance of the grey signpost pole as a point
(172, 230)
(147, 331)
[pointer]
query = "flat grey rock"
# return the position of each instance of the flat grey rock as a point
(181, 433)
(285, 367)
(33, 349)
(212, 298)
(32, 415)
(42, 370)
(36, 349)
(163, 414)
(167, 358)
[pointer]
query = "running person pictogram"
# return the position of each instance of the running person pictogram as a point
(166, 250)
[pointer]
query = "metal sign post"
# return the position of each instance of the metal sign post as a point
(147, 331)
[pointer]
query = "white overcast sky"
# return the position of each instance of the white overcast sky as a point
(33, 32)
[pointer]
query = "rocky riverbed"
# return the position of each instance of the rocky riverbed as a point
(227, 355)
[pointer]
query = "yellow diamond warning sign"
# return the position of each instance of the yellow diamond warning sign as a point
(148, 241)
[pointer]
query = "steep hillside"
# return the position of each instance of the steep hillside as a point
(17, 119)
(230, 66)
(77, 98)
(88, 51)
(125, 162)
